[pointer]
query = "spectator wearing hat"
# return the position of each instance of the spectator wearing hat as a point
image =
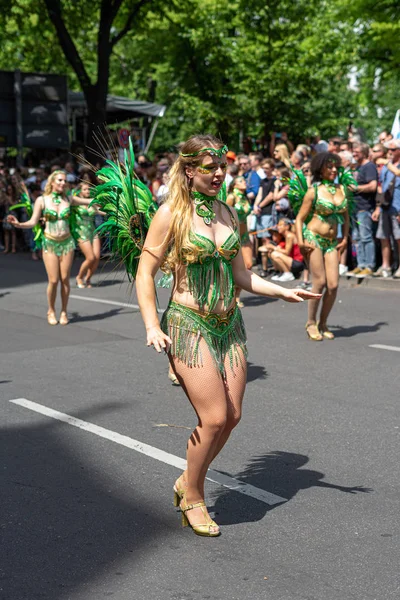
(366, 211)
(389, 225)
(231, 157)
(276, 242)
(232, 169)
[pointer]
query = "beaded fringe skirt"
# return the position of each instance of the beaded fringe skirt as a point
(58, 247)
(223, 333)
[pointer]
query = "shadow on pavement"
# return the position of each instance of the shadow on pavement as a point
(277, 472)
(357, 329)
(256, 372)
(76, 318)
(257, 301)
(64, 524)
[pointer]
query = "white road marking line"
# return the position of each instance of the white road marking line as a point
(383, 347)
(165, 457)
(112, 302)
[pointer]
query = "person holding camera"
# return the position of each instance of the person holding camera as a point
(389, 207)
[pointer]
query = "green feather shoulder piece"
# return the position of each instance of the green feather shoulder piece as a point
(129, 208)
(298, 188)
(346, 179)
(27, 205)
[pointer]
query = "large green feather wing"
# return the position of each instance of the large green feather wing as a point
(129, 208)
(27, 205)
(298, 188)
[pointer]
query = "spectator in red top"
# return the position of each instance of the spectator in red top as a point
(287, 258)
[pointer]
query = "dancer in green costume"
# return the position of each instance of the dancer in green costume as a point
(88, 242)
(320, 209)
(195, 238)
(57, 242)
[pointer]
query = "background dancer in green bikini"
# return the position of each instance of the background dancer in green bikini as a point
(324, 205)
(196, 238)
(89, 243)
(57, 242)
(238, 199)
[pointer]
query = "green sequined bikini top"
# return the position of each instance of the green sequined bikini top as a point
(210, 279)
(242, 206)
(52, 215)
(328, 211)
(85, 211)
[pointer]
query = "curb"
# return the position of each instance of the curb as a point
(383, 283)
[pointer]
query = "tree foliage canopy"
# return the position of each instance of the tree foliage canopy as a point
(236, 66)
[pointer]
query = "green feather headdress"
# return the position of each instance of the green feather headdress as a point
(129, 207)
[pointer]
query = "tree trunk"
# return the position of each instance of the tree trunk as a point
(96, 101)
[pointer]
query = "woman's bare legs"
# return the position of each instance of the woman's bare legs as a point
(217, 404)
(65, 272)
(317, 270)
(87, 251)
(331, 260)
(281, 262)
(7, 235)
(96, 248)
(52, 266)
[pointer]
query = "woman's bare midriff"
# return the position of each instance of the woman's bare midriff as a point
(181, 294)
(327, 230)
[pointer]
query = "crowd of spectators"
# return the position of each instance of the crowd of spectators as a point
(375, 225)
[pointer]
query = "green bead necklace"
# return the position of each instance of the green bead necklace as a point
(330, 186)
(203, 205)
(56, 197)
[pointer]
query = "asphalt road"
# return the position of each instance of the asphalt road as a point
(85, 517)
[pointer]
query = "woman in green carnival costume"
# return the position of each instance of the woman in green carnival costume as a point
(320, 208)
(238, 199)
(196, 237)
(88, 242)
(57, 242)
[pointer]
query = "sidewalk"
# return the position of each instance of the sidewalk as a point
(372, 282)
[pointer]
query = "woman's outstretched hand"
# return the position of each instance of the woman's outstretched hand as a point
(12, 220)
(157, 338)
(299, 295)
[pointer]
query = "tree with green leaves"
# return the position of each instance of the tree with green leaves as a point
(83, 30)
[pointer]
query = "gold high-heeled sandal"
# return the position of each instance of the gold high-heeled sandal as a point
(64, 318)
(172, 377)
(203, 529)
(179, 491)
(315, 337)
(80, 284)
(51, 318)
(327, 334)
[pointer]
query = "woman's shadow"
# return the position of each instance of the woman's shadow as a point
(277, 472)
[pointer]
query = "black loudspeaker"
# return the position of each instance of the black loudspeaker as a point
(43, 109)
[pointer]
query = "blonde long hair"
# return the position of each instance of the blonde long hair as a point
(48, 187)
(284, 151)
(181, 248)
